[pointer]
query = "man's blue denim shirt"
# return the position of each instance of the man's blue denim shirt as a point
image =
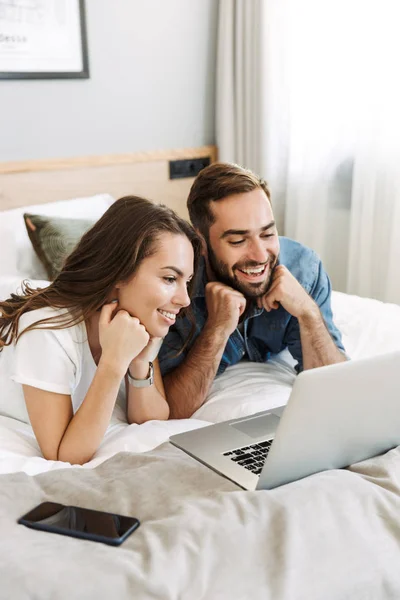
(264, 333)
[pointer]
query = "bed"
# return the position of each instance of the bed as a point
(334, 535)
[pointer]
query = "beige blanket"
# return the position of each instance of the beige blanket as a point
(332, 536)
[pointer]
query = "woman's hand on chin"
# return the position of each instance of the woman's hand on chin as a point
(122, 337)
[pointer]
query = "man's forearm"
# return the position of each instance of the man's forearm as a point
(318, 347)
(187, 386)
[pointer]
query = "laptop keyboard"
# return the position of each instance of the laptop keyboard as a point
(251, 457)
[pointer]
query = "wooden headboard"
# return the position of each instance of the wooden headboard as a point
(143, 174)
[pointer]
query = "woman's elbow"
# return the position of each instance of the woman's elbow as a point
(165, 414)
(50, 454)
(140, 417)
(69, 457)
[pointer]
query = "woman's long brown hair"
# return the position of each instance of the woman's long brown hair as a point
(110, 252)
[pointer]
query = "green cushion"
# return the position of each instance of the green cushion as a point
(54, 238)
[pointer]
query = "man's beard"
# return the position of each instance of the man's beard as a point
(249, 290)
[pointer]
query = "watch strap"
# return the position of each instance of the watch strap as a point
(140, 383)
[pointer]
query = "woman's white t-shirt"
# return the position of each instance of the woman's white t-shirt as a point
(55, 360)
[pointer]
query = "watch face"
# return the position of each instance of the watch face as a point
(151, 374)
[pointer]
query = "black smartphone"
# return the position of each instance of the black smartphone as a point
(84, 523)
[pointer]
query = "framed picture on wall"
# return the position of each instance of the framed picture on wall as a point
(43, 39)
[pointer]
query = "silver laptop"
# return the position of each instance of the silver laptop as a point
(336, 416)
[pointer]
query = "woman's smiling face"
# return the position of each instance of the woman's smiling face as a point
(158, 290)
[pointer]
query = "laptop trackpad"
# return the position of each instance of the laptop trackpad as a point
(257, 426)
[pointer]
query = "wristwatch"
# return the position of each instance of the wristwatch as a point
(140, 383)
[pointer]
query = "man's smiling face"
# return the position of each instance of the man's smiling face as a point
(243, 244)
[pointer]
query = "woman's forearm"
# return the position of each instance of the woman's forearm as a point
(147, 403)
(87, 427)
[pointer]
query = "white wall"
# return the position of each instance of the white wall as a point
(151, 86)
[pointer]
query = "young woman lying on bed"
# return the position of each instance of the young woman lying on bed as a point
(67, 348)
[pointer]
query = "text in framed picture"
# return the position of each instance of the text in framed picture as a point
(43, 39)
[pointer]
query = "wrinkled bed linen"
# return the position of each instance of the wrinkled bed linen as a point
(332, 536)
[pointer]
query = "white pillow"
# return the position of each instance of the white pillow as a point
(369, 327)
(13, 285)
(17, 256)
(8, 249)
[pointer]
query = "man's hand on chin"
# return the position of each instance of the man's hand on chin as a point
(285, 290)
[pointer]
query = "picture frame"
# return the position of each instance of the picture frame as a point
(43, 39)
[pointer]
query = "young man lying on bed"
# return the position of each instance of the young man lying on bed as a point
(256, 293)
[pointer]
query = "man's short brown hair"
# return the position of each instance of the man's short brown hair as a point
(215, 182)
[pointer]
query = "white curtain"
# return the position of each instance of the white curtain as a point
(308, 96)
(239, 72)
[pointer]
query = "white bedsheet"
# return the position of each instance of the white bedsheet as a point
(19, 450)
(369, 328)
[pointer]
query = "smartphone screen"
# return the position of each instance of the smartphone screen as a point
(85, 523)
